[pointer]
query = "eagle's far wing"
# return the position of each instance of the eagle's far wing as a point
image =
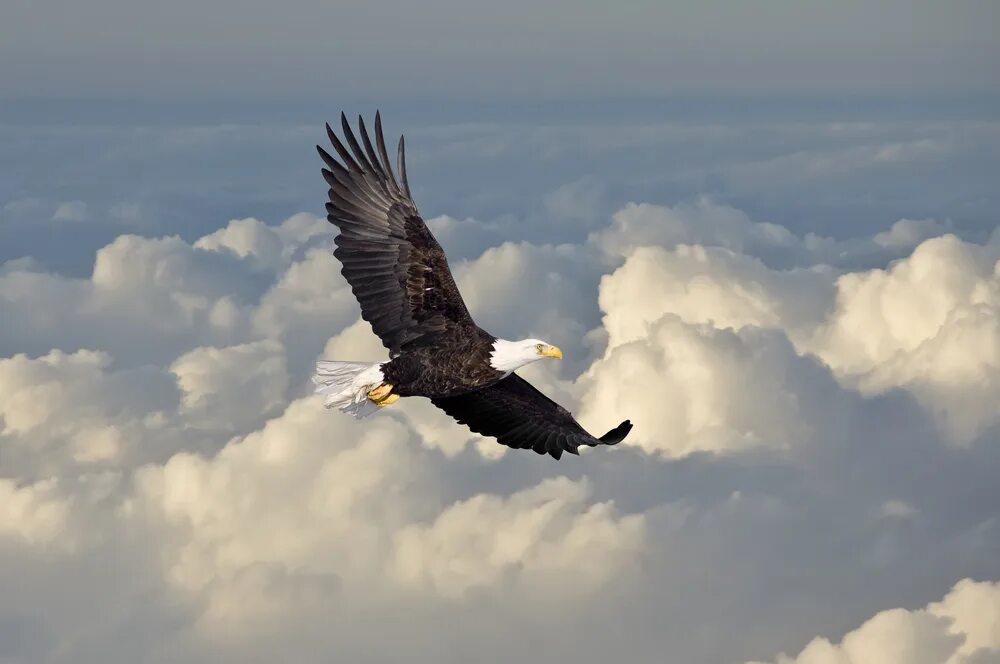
(519, 416)
(396, 269)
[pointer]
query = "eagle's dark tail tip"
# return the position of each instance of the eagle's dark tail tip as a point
(617, 434)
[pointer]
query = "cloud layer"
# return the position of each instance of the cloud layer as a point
(816, 442)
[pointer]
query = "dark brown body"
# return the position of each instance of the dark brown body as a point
(444, 371)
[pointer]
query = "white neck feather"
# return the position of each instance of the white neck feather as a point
(510, 355)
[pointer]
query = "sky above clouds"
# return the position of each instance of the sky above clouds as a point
(783, 265)
(520, 50)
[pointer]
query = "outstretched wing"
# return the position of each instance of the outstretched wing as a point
(397, 270)
(519, 416)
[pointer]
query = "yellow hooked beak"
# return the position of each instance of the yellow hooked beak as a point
(550, 351)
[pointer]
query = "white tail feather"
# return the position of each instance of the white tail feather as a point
(347, 384)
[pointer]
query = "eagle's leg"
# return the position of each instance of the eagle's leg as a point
(382, 395)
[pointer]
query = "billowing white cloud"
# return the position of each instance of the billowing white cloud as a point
(881, 313)
(149, 299)
(963, 628)
(74, 408)
(31, 513)
(545, 541)
(704, 222)
(308, 303)
(223, 386)
(695, 388)
(930, 323)
(146, 300)
(710, 223)
(908, 233)
(910, 326)
(270, 246)
(709, 285)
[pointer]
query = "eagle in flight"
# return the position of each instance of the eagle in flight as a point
(400, 277)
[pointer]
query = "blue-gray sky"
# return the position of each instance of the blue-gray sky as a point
(519, 50)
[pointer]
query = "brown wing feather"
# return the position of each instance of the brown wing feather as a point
(396, 268)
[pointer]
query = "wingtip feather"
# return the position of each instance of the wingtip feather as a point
(383, 153)
(327, 158)
(401, 165)
(617, 434)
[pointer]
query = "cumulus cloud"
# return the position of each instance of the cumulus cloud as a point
(963, 628)
(74, 408)
(270, 246)
(710, 285)
(31, 514)
(547, 541)
(687, 387)
(908, 326)
(704, 222)
(148, 299)
(908, 233)
(710, 223)
(928, 324)
(222, 385)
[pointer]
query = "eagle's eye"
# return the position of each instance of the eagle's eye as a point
(539, 347)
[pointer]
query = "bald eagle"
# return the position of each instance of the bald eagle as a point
(400, 277)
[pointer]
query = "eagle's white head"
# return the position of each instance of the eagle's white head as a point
(510, 355)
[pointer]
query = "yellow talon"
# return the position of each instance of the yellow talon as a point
(382, 394)
(391, 399)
